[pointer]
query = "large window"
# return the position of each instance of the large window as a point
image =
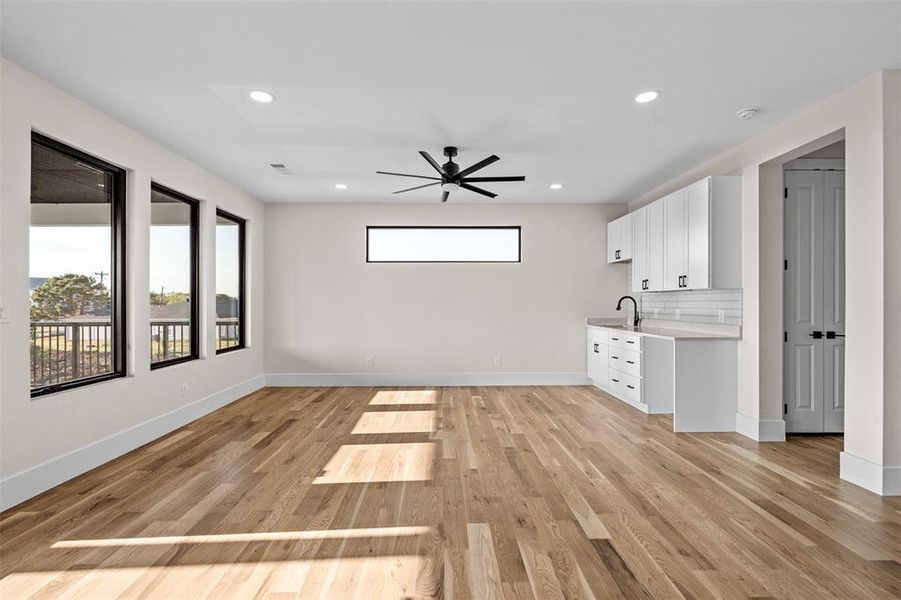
(442, 244)
(173, 277)
(77, 268)
(230, 305)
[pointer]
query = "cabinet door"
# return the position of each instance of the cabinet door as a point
(613, 239)
(655, 250)
(597, 361)
(697, 201)
(639, 248)
(625, 240)
(676, 240)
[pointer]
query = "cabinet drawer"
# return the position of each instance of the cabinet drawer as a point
(625, 339)
(625, 385)
(625, 361)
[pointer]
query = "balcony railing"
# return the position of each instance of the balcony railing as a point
(63, 351)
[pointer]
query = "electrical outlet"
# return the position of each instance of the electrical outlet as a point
(722, 316)
(497, 361)
(183, 390)
(678, 314)
(369, 361)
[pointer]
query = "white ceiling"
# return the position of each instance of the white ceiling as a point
(360, 87)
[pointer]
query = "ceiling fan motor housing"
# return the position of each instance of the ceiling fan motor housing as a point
(452, 178)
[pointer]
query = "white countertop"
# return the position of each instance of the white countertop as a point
(669, 330)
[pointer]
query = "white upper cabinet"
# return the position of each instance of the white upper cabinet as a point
(619, 239)
(676, 240)
(690, 239)
(655, 248)
(639, 249)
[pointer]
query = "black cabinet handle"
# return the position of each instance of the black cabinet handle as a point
(631, 362)
(630, 341)
(614, 380)
(831, 335)
(817, 335)
(614, 357)
(615, 339)
(631, 387)
(595, 347)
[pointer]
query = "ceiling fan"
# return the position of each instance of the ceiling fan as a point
(451, 177)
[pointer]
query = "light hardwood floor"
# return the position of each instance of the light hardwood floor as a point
(496, 492)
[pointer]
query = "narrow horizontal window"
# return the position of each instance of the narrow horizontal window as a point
(388, 244)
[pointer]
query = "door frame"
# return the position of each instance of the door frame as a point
(796, 165)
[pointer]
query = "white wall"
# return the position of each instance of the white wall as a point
(866, 115)
(327, 309)
(51, 438)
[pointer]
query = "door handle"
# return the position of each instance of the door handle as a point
(817, 335)
(831, 335)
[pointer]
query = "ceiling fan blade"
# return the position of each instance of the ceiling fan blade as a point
(432, 162)
(416, 188)
(519, 178)
(444, 196)
(477, 190)
(479, 165)
(407, 175)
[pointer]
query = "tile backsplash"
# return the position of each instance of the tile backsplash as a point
(696, 306)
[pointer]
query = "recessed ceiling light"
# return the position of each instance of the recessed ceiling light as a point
(556, 186)
(340, 186)
(262, 96)
(648, 96)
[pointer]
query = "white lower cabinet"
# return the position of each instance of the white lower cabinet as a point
(692, 377)
(597, 356)
(614, 364)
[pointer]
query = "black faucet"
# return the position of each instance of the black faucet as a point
(619, 306)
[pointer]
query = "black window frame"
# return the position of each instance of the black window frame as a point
(195, 275)
(118, 305)
(518, 260)
(242, 290)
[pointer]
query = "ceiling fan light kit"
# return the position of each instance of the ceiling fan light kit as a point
(451, 178)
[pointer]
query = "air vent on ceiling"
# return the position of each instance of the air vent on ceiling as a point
(281, 168)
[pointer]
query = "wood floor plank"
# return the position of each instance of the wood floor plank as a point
(459, 493)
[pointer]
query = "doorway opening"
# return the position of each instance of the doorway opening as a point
(814, 291)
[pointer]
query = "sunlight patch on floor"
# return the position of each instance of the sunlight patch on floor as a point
(401, 421)
(261, 536)
(361, 463)
(395, 397)
(373, 577)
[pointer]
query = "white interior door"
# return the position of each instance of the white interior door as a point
(813, 365)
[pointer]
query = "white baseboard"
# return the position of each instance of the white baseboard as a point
(884, 480)
(29, 483)
(760, 430)
(423, 379)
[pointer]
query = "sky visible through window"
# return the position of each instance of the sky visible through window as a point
(85, 250)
